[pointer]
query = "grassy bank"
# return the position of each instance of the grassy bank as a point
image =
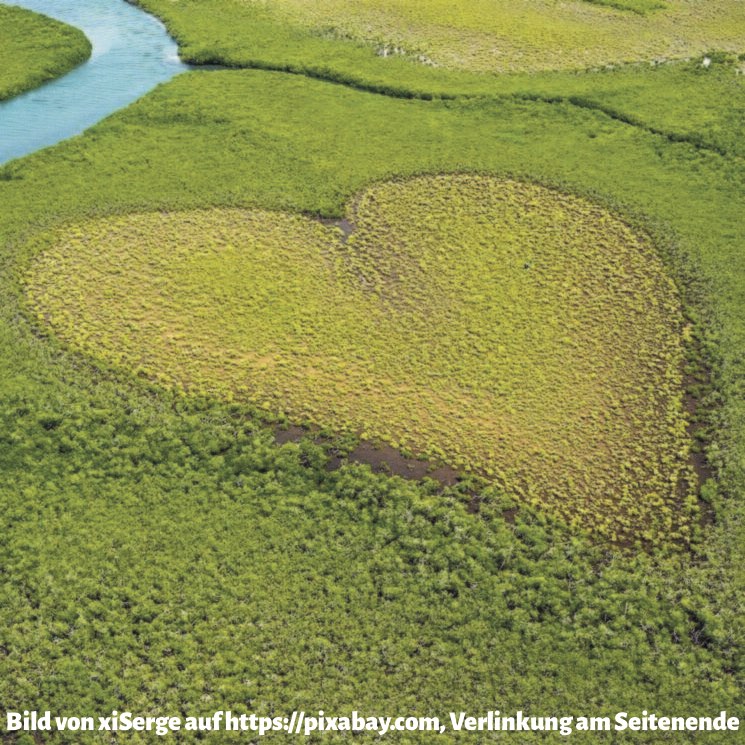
(34, 49)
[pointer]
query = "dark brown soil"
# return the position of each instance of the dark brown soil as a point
(693, 407)
(701, 467)
(381, 459)
(386, 459)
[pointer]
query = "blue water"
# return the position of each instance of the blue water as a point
(132, 52)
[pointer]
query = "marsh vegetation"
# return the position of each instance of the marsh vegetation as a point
(502, 328)
(162, 553)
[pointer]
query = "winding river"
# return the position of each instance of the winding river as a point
(132, 53)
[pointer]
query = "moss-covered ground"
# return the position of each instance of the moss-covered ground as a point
(34, 49)
(161, 553)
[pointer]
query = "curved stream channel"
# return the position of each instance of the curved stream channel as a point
(132, 53)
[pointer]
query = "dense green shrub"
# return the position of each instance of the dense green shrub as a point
(34, 49)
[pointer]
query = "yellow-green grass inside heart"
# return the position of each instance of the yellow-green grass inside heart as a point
(504, 328)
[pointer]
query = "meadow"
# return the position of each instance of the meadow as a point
(161, 552)
(34, 49)
(487, 37)
(394, 39)
(677, 96)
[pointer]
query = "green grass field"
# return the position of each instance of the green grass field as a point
(350, 38)
(503, 36)
(162, 553)
(683, 99)
(34, 49)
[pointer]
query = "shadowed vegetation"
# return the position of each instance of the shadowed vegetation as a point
(635, 6)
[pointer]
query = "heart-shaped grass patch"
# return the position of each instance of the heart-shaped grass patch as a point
(501, 327)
